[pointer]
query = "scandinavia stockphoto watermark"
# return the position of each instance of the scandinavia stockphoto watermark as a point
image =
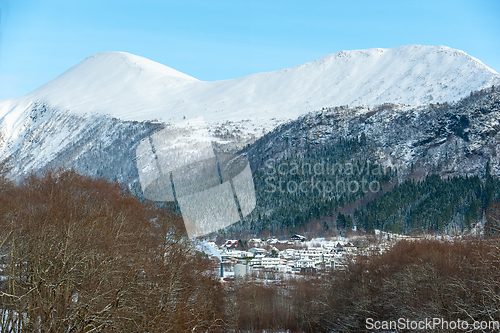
(323, 178)
(178, 164)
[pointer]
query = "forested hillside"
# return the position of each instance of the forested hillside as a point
(395, 168)
(432, 205)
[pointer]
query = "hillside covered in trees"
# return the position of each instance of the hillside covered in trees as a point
(394, 168)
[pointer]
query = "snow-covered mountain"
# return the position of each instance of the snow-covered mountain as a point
(455, 139)
(92, 106)
(130, 87)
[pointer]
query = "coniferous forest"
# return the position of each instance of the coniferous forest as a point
(432, 204)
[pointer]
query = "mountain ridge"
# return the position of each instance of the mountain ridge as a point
(130, 87)
(38, 133)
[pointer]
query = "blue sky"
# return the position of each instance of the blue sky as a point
(215, 40)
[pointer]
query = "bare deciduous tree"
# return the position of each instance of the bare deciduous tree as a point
(81, 255)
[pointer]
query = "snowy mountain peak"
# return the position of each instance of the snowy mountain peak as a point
(130, 87)
(431, 56)
(108, 63)
(110, 81)
(114, 61)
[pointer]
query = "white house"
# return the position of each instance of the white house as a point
(257, 250)
(257, 260)
(284, 268)
(304, 263)
(288, 254)
(271, 262)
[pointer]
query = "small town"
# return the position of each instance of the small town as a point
(296, 255)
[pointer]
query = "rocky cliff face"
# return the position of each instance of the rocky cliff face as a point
(448, 139)
(99, 146)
